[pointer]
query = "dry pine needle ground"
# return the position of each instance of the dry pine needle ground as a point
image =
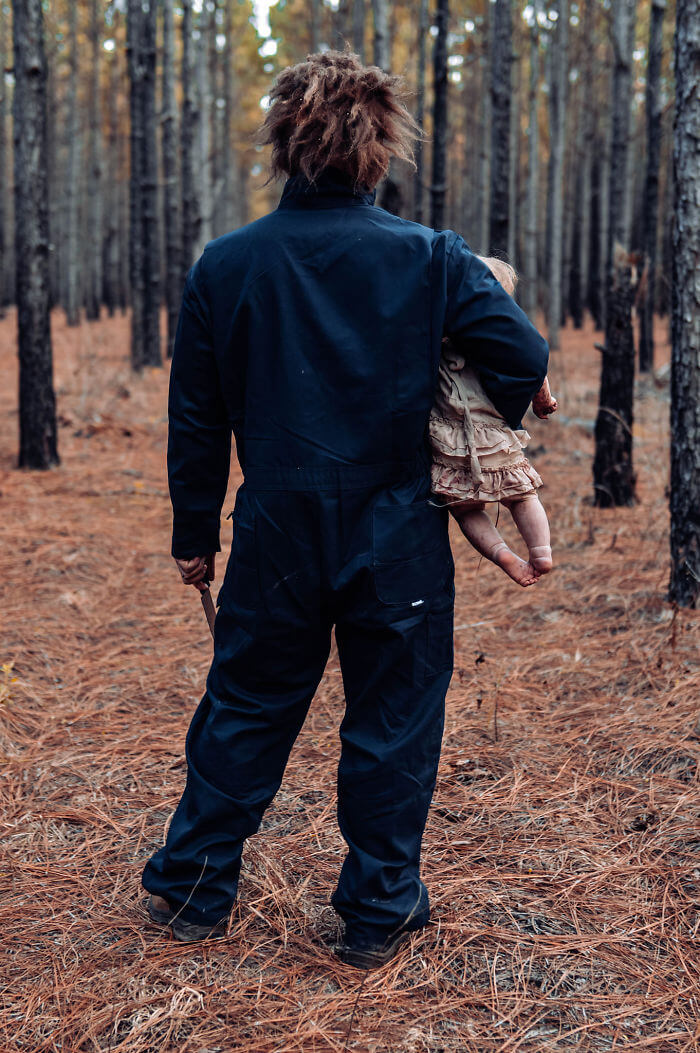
(562, 848)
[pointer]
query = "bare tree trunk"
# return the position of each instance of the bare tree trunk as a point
(485, 132)
(623, 44)
(72, 294)
(37, 402)
(586, 160)
(190, 117)
(204, 127)
(314, 20)
(514, 165)
(685, 327)
(529, 284)
(502, 57)
(558, 69)
(439, 177)
(171, 196)
(613, 473)
(112, 254)
(382, 44)
(149, 196)
(358, 28)
(136, 60)
(650, 214)
(3, 160)
(420, 110)
(94, 277)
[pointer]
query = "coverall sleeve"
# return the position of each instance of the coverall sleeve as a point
(494, 334)
(199, 433)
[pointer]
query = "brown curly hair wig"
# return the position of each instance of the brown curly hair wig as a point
(332, 112)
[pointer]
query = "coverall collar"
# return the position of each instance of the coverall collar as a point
(332, 189)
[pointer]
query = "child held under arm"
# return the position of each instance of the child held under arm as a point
(478, 460)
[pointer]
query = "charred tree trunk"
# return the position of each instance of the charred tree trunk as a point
(358, 28)
(502, 56)
(94, 278)
(529, 285)
(514, 166)
(558, 79)
(190, 117)
(613, 474)
(650, 212)
(420, 111)
(72, 293)
(37, 402)
(438, 187)
(171, 195)
(231, 209)
(584, 226)
(685, 325)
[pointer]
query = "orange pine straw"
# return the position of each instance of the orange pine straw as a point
(562, 858)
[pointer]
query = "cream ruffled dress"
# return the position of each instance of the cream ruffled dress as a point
(476, 456)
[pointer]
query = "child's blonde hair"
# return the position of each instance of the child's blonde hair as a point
(502, 271)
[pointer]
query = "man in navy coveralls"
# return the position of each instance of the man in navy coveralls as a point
(313, 334)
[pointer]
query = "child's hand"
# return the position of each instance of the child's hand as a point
(544, 402)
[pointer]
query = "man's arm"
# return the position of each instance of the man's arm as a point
(494, 334)
(199, 433)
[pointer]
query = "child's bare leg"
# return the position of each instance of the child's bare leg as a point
(533, 526)
(479, 530)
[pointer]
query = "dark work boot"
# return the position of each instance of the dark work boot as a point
(184, 931)
(367, 955)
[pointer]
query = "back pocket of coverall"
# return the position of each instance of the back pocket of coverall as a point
(410, 552)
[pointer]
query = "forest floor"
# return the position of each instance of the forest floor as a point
(562, 849)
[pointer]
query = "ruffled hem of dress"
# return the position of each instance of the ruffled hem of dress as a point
(450, 436)
(497, 484)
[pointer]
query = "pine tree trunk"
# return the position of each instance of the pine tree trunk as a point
(502, 56)
(72, 293)
(529, 285)
(558, 79)
(3, 160)
(438, 187)
(37, 403)
(650, 212)
(623, 42)
(314, 20)
(685, 327)
(382, 44)
(136, 139)
(358, 28)
(94, 276)
(149, 193)
(485, 130)
(586, 161)
(204, 151)
(604, 226)
(230, 191)
(420, 110)
(613, 474)
(112, 254)
(171, 195)
(190, 201)
(513, 167)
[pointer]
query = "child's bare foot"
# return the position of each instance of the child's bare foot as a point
(541, 558)
(515, 567)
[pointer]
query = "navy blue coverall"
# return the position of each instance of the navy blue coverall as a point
(314, 335)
